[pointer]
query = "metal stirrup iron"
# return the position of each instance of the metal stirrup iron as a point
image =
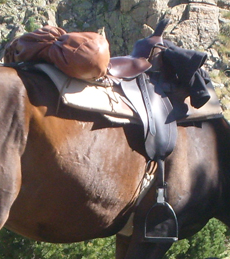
(161, 224)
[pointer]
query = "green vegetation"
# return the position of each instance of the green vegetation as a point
(211, 241)
(13, 246)
(31, 24)
(223, 43)
(222, 46)
(227, 15)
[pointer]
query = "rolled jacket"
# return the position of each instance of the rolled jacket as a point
(184, 62)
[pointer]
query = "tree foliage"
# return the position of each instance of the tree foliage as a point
(13, 246)
(211, 241)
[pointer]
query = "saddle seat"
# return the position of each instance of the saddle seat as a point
(127, 67)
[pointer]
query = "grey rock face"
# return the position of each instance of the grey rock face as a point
(196, 24)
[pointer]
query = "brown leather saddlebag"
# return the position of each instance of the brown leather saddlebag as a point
(84, 55)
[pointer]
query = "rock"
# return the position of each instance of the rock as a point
(211, 2)
(225, 4)
(195, 25)
(146, 30)
(127, 5)
(125, 21)
(214, 55)
(173, 3)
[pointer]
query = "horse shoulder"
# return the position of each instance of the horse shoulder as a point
(14, 108)
(14, 124)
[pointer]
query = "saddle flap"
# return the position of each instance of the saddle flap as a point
(133, 93)
(162, 131)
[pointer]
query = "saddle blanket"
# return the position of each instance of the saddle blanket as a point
(186, 112)
(111, 102)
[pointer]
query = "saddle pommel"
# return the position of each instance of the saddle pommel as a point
(143, 47)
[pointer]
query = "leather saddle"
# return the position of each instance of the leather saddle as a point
(159, 123)
(168, 65)
(160, 129)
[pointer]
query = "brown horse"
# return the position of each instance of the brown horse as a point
(68, 175)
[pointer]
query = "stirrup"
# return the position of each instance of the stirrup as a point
(161, 225)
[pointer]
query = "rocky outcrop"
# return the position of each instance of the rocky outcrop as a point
(18, 17)
(196, 24)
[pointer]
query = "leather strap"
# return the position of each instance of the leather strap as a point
(133, 94)
(143, 86)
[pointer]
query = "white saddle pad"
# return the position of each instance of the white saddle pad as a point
(108, 100)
